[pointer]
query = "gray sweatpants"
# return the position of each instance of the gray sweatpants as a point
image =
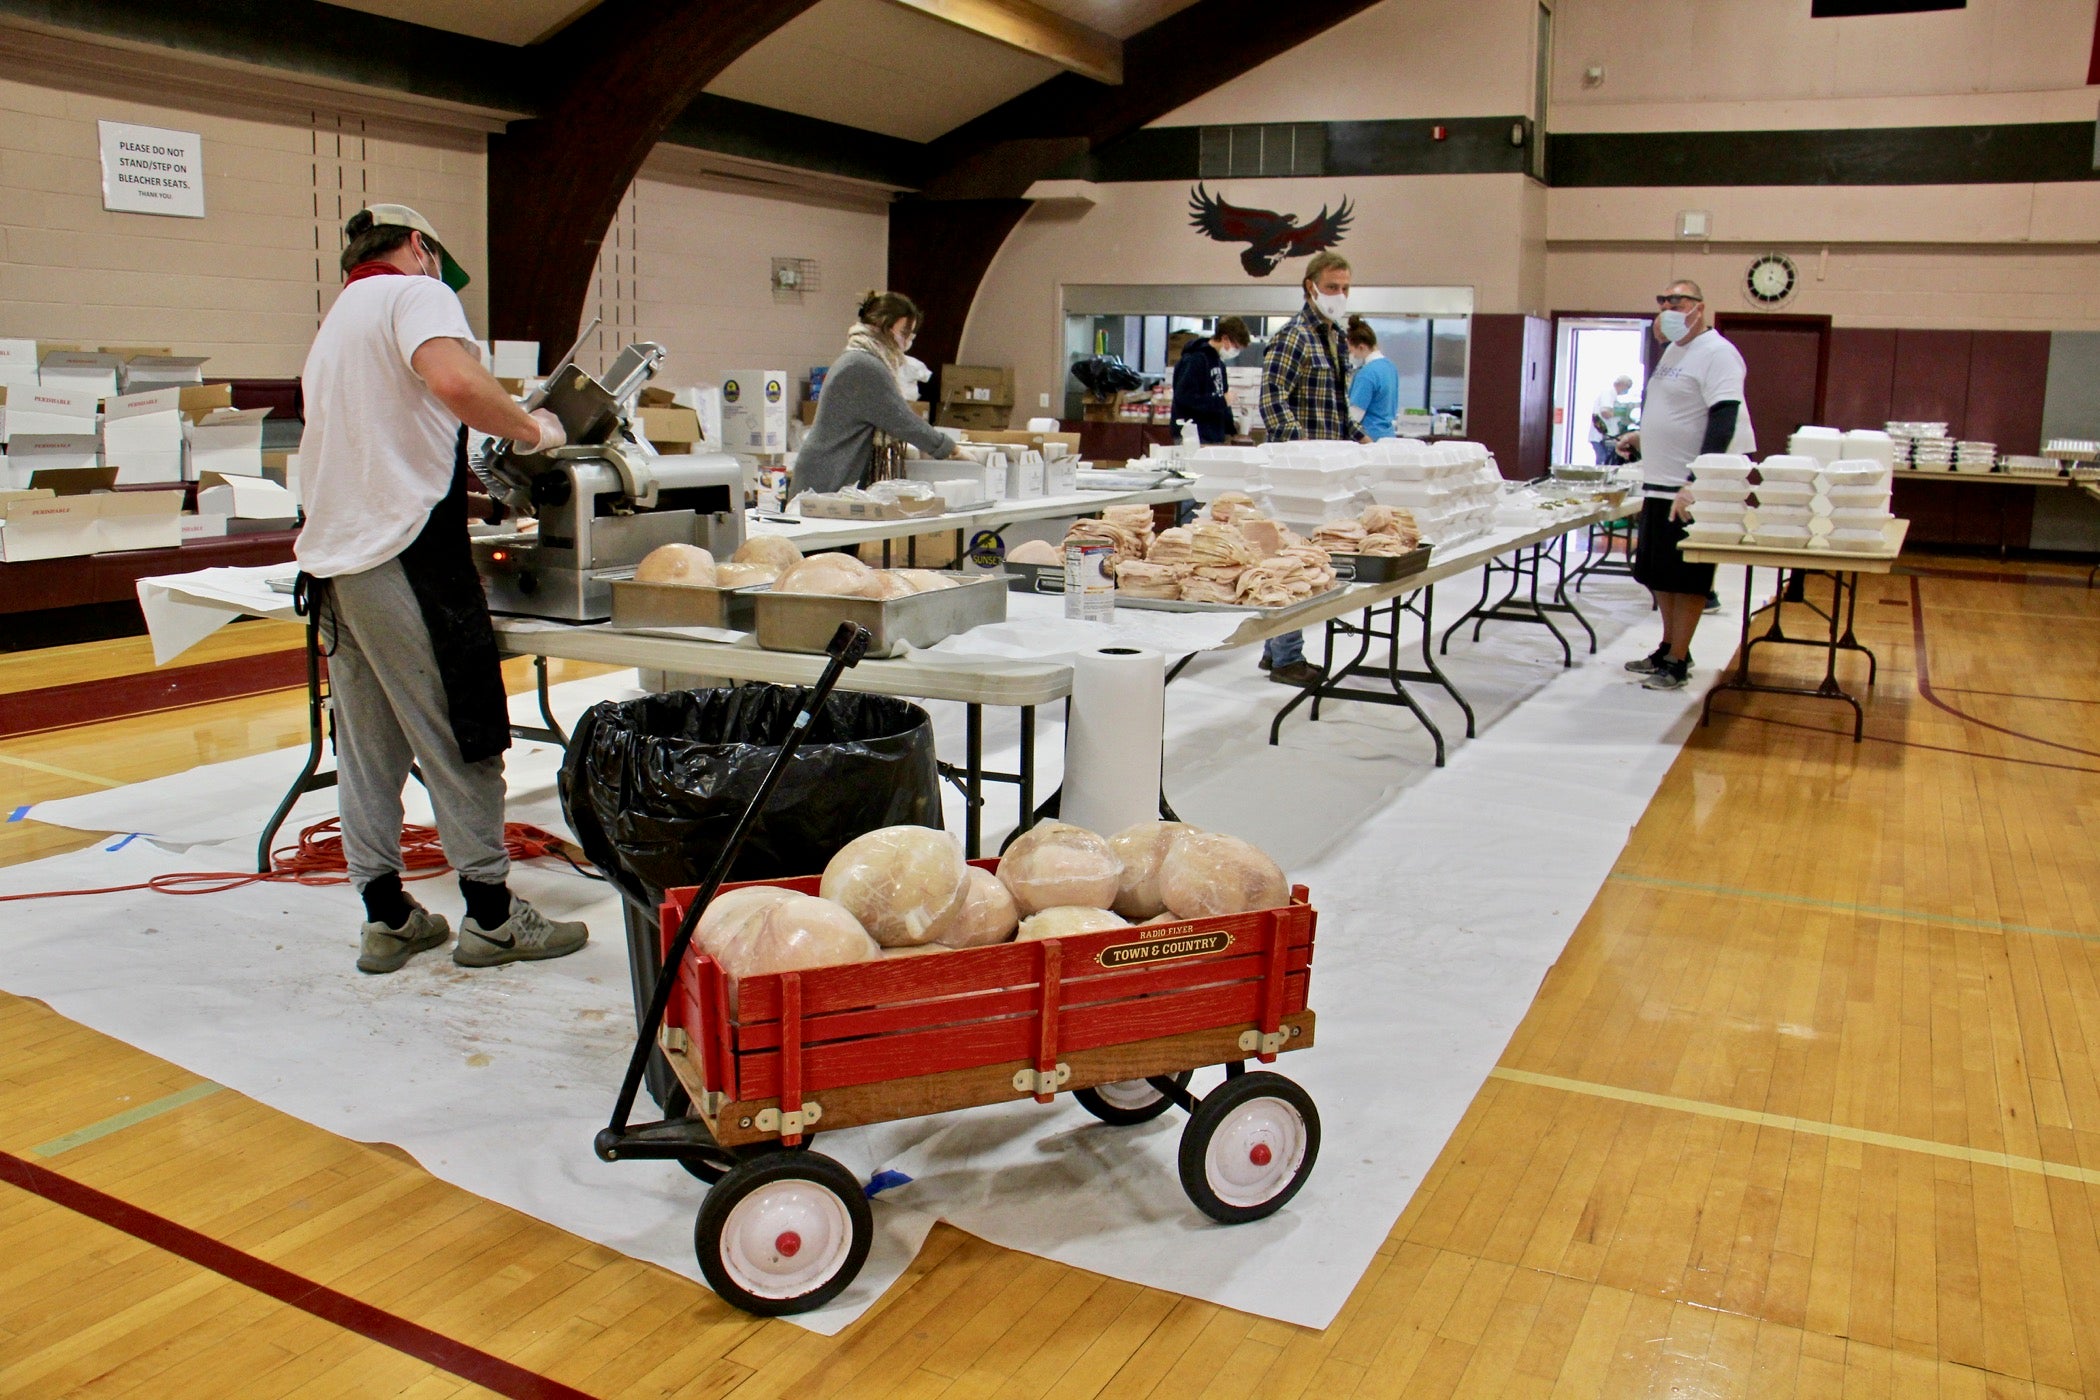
(389, 712)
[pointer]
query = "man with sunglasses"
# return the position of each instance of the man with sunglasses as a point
(1693, 405)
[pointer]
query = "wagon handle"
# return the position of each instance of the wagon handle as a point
(846, 648)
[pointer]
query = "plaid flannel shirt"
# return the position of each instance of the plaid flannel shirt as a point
(1305, 382)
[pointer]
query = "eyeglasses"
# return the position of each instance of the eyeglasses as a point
(1676, 299)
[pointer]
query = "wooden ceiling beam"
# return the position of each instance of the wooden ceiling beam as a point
(611, 85)
(1032, 29)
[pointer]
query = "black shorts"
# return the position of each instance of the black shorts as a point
(1656, 560)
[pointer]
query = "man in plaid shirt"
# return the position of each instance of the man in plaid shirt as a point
(1305, 396)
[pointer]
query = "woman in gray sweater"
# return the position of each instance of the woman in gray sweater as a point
(861, 399)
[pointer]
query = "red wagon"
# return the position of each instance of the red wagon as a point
(1121, 1020)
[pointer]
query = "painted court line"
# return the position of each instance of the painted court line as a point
(1974, 1155)
(1871, 911)
(57, 772)
(469, 1363)
(130, 1117)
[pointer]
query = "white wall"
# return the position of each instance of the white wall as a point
(245, 285)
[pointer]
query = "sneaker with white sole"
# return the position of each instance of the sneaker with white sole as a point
(1644, 665)
(383, 949)
(526, 936)
(1669, 675)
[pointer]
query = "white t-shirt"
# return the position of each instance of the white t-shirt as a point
(1688, 381)
(378, 449)
(1607, 408)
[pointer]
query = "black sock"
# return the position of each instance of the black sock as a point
(384, 902)
(487, 905)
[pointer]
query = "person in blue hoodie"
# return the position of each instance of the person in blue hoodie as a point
(1374, 383)
(1200, 385)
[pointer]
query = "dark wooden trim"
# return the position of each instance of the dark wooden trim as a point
(939, 253)
(631, 69)
(2012, 153)
(1471, 146)
(746, 129)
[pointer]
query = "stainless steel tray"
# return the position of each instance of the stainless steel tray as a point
(1380, 568)
(1049, 579)
(806, 621)
(677, 605)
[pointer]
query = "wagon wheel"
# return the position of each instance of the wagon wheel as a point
(783, 1233)
(713, 1165)
(1128, 1101)
(1248, 1147)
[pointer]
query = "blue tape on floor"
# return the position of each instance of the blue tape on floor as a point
(123, 843)
(18, 813)
(884, 1181)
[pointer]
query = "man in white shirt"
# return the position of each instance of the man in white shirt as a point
(1605, 423)
(1693, 405)
(393, 374)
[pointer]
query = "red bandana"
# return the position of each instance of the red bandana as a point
(373, 269)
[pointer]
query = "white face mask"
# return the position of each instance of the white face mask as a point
(1674, 325)
(1334, 307)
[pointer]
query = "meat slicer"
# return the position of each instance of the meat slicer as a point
(602, 502)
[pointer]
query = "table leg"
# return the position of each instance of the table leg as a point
(1427, 612)
(1567, 653)
(1487, 583)
(310, 778)
(1027, 767)
(1830, 686)
(1560, 591)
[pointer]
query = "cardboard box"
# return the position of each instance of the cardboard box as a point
(225, 440)
(515, 359)
(54, 451)
(755, 411)
(203, 527)
(1046, 443)
(670, 429)
(157, 371)
(142, 437)
(809, 413)
(1061, 476)
(17, 362)
(100, 522)
(89, 371)
(36, 410)
(247, 499)
(977, 384)
(1097, 410)
(976, 416)
(816, 506)
(1024, 476)
(990, 479)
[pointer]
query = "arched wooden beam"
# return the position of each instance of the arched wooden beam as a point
(939, 253)
(617, 79)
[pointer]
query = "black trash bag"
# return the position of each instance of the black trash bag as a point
(652, 787)
(1107, 374)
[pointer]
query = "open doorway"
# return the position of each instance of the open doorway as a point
(1591, 354)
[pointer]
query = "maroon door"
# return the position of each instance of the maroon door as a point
(1785, 363)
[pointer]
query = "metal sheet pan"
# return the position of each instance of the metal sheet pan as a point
(806, 621)
(678, 605)
(1049, 579)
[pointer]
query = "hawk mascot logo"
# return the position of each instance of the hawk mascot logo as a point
(1270, 237)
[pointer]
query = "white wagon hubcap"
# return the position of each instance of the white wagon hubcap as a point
(786, 1238)
(1255, 1153)
(1129, 1094)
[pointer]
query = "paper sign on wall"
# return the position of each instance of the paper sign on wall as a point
(150, 170)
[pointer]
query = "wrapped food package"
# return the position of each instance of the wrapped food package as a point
(730, 914)
(1055, 864)
(1036, 552)
(1141, 579)
(735, 575)
(768, 549)
(832, 575)
(1206, 874)
(795, 934)
(900, 882)
(687, 565)
(988, 915)
(1068, 921)
(1142, 849)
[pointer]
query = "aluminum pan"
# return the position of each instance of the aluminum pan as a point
(806, 621)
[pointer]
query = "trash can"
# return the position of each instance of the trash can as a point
(653, 787)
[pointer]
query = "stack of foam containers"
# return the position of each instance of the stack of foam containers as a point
(1868, 445)
(1720, 499)
(1429, 481)
(1782, 514)
(1849, 507)
(1823, 444)
(1314, 483)
(1477, 491)
(1219, 469)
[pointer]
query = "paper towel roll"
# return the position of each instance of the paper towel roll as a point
(1113, 746)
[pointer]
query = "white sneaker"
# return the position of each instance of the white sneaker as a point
(526, 936)
(383, 949)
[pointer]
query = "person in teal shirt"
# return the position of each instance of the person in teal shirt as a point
(1374, 383)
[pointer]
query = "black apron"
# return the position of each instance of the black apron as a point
(440, 567)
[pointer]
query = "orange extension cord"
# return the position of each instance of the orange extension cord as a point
(317, 859)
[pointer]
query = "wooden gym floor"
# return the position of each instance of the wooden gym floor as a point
(1811, 1106)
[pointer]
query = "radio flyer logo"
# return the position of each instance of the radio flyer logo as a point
(1172, 945)
(731, 392)
(1270, 237)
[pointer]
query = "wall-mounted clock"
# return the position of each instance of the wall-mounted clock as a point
(1771, 280)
